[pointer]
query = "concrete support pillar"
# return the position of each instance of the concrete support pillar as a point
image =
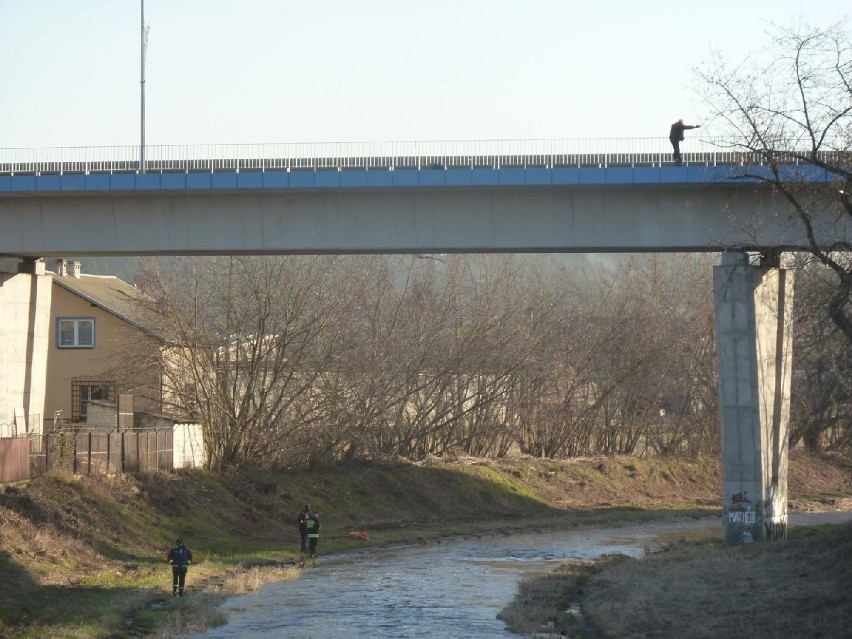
(754, 306)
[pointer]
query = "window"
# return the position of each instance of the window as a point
(75, 332)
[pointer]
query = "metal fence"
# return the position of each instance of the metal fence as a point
(590, 152)
(99, 452)
(148, 450)
(14, 458)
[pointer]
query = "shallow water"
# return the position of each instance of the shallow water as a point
(442, 591)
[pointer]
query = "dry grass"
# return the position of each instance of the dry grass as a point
(549, 604)
(190, 614)
(200, 609)
(800, 588)
(250, 579)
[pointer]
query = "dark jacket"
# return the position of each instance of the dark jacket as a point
(180, 556)
(676, 132)
(302, 520)
(312, 525)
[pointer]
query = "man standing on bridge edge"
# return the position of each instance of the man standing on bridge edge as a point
(676, 137)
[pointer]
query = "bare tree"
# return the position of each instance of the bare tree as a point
(250, 337)
(554, 385)
(621, 361)
(676, 387)
(488, 295)
(426, 363)
(821, 407)
(790, 105)
(297, 362)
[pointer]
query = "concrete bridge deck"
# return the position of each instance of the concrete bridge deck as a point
(396, 203)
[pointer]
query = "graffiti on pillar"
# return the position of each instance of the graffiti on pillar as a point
(741, 510)
(775, 519)
(757, 519)
(740, 498)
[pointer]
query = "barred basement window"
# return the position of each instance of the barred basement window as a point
(84, 390)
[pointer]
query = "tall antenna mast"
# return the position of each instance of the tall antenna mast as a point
(143, 52)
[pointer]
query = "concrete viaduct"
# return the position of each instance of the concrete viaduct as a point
(469, 204)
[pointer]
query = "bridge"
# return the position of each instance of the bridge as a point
(421, 197)
(441, 197)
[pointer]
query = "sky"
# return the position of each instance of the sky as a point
(273, 71)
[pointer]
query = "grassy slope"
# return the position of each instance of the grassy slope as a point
(83, 557)
(801, 588)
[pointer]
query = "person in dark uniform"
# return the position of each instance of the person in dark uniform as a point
(303, 529)
(180, 558)
(312, 523)
(676, 137)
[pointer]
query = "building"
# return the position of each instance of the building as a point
(101, 343)
(83, 350)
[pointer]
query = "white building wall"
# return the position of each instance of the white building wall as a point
(188, 445)
(24, 340)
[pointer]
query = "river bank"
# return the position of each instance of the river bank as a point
(447, 590)
(84, 557)
(693, 585)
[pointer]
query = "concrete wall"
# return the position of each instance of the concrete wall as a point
(101, 415)
(24, 318)
(187, 438)
(754, 351)
(188, 446)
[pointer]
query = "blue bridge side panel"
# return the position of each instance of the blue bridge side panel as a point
(439, 177)
(173, 181)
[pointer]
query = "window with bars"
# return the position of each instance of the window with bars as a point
(85, 390)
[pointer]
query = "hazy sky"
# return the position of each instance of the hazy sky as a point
(248, 71)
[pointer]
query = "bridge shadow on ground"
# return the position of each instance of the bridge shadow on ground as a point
(52, 611)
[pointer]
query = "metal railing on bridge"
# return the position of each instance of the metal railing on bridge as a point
(496, 154)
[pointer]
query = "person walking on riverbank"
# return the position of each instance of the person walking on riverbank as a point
(312, 525)
(303, 528)
(180, 558)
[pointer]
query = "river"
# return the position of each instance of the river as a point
(442, 591)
